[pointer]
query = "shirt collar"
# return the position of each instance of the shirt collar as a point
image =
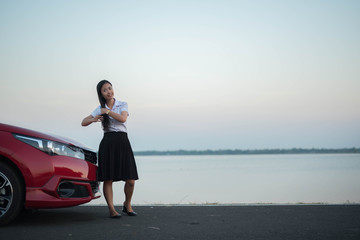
(116, 104)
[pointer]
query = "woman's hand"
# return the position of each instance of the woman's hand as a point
(90, 119)
(97, 118)
(118, 117)
(105, 111)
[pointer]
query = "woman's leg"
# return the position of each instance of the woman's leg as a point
(129, 190)
(108, 193)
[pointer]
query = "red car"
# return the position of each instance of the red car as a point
(38, 170)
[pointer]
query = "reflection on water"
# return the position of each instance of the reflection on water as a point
(239, 179)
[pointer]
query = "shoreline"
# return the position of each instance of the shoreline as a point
(226, 204)
(248, 152)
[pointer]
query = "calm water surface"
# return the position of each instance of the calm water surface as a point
(244, 179)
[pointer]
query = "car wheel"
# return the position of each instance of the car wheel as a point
(11, 194)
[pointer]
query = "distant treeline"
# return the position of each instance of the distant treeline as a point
(256, 151)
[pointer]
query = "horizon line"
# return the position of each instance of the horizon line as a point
(249, 151)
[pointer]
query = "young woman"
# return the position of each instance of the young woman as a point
(116, 160)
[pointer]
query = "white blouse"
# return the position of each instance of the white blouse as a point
(114, 126)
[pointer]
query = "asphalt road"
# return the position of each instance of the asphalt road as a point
(191, 222)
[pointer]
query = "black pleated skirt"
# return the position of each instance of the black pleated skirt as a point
(116, 159)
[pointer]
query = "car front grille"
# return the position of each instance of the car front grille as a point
(90, 156)
(94, 187)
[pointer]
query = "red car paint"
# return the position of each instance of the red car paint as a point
(40, 174)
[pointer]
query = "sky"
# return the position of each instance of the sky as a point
(197, 75)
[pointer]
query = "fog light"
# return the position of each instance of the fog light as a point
(66, 189)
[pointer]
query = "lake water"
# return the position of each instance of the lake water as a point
(244, 179)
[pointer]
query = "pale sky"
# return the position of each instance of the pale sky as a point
(199, 75)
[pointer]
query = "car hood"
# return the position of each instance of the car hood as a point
(32, 133)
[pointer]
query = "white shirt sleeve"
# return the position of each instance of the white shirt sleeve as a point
(124, 107)
(97, 111)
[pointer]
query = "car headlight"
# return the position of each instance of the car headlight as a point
(51, 147)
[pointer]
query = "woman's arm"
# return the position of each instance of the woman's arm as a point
(119, 117)
(90, 119)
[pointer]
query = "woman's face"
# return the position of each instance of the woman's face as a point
(107, 91)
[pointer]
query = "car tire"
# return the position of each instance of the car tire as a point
(11, 194)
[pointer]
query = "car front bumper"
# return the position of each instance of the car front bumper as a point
(62, 192)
